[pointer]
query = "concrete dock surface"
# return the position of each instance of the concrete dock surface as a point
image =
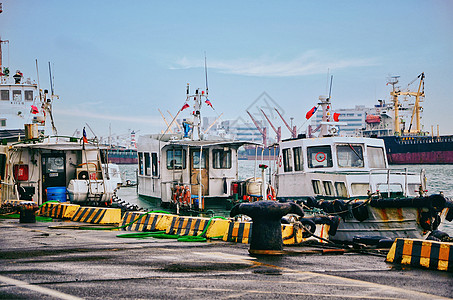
(38, 262)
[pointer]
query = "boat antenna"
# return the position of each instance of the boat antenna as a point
(330, 89)
(37, 76)
(206, 73)
(51, 83)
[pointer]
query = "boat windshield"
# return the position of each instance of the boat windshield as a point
(376, 157)
(350, 156)
(319, 157)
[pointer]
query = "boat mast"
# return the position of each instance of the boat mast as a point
(395, 93)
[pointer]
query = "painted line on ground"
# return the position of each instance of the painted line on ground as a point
(37, 288)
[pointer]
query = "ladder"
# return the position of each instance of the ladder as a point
(96, 184)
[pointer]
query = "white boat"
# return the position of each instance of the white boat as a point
(35, 163)
(181, 168)
(350, 177)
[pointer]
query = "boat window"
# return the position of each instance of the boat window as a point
(221, 159)
(328, 188)
(287, 167)
(316, 187)
(4, 95)
(350, 156)
(196, 160)
(17, 95)
(176, 159)
(2, 122)
(154, 164)
(140, 163)
(147, 164)
(2, 166)
(28, 95)
(340, 187)
(298, 159)
(319, 157)
(376, 158)
(359, 189)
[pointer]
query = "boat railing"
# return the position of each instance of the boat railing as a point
(392, 176)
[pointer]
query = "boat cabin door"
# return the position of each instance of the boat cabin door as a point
(199, 172)
(53, 170)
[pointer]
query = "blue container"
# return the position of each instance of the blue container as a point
(57, 193)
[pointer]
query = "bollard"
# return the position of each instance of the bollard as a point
(27, 212)
(267, 229)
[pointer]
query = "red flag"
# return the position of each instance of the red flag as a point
(34, 110)
(311, 112)
(335, 116)
(185, 106)
(85, 140)
(209, 103)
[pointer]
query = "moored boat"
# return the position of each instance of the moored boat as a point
(350, 177)
(190, 169)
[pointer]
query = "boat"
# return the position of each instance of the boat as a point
(190, 169)
(409, 145)
(37, 164)
(350, 177)
(122, 156)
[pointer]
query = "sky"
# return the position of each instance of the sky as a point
(115, 63)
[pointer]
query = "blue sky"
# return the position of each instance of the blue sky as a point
(117, 62)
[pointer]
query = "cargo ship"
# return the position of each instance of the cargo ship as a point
(408, 146)
(123, 156)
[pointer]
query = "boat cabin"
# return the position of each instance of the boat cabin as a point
(206, 167)
(340, 167)
(29, 171)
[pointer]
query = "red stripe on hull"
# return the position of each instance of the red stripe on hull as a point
(434, 157)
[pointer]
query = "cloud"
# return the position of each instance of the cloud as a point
(110, 117)
(309, 63)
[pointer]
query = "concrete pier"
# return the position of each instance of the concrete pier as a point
(37, 262)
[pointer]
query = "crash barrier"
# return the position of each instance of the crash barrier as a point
(12, 202)
(173, 224)
(241, 232)
(97, 215)
(58, 210)
(422, 253)
(143, 221)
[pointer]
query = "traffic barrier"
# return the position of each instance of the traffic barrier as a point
(238, 232)
(217, 228)
(147, 222)
(422, 253)
(187, 226)
(58, 210)
(166, 221)
(12, 202)
(97, 215)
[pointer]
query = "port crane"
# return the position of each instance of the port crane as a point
(262, 130)
(293, 130)
(277, 131)
(396, 92)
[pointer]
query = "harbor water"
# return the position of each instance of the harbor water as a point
(438, 176)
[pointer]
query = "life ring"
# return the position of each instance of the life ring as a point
(320, 156)
(271, 193)
(89, 163)
(187, 197)
(176, 192)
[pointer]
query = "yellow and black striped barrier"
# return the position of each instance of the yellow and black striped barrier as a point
(238, 232)
(187, 226)
(144, 222)
(97, 215)
(422, 253)
(58, 210)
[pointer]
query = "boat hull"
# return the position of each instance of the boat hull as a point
(419, 149)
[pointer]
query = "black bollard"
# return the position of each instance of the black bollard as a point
(267, 229)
